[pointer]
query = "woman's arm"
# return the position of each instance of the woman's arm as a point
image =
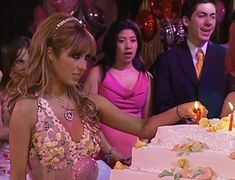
(114, 118)
(3, 129)
(92, 83)
(22, 120)
(148, 103)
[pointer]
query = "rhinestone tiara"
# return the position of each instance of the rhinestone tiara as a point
(68, 19)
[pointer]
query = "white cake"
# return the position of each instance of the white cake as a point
(191, 144)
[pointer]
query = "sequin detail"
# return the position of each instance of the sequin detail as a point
(53, 145)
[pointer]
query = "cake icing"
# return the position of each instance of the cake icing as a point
(202, 147)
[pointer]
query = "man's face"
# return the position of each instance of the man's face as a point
(201, 24)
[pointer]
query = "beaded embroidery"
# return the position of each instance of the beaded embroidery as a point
(53, 145)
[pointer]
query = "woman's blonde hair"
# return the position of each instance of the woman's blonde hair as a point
(59, 31)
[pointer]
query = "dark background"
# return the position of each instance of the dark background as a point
(17, 15)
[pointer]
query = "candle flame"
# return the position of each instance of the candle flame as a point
(196, 105)
(230, 105)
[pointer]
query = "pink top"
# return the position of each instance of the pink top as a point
(53, 153)
(130, 101)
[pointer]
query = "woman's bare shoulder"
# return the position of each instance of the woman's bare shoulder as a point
(26, 109)
(27, 103)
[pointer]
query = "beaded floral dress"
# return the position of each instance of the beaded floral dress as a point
(4, 146)
(53, 153)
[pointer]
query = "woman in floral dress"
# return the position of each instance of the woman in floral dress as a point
(54, 124)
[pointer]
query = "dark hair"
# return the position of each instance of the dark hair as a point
(110, 44)
(11, 55)
(189, 6)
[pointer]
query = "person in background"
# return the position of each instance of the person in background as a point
(230, 68)
(122, 78)
(230, 28)
(194, 70)
(54, 124)
(16, 57)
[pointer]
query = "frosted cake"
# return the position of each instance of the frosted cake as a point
(184, 152)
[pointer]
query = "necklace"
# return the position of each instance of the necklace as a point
(68, 113)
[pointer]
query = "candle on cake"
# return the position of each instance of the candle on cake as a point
(198, 111)
(231, 117)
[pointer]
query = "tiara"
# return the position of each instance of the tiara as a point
(61, 23)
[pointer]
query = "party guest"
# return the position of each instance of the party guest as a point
(54, 125)
(196, 69)
(122, 78)
(16, 57)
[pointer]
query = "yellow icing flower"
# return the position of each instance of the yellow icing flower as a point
(120, 166)
(139, 143)
(204, 122)
(224, 123)
(215, 127)
(181, 163)
(187, 147)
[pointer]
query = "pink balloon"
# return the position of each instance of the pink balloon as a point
(64, 5)
(39, 15)
(88, 3)
(220, 12)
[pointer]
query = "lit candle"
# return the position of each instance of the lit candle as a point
(198, 111)
(231, 117)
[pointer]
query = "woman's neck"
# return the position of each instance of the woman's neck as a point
(123, 67)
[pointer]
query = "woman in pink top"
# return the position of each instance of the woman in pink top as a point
(122, 78)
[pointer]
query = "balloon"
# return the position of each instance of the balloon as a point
(167, 31)
(95, 18)
(88, 3)
(180, 34)
(172, 32)
(165, 8)
(38, 16)
(147, 24)
(220, 12)
(156, 8)
(64, 5)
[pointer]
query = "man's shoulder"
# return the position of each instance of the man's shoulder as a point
(174, 52)
(212, 46)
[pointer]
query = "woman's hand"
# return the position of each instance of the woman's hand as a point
(114, 157)
(187, 110)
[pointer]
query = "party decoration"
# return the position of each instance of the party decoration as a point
(165, 8)
(220, 12)
(95, 18)
(64, 5)
(39, 15)
(156, 8)
(88, 3)
(171, 32)
(180, 34)
(147, 24)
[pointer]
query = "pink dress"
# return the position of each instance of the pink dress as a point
(53, 153)
(130, 101)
